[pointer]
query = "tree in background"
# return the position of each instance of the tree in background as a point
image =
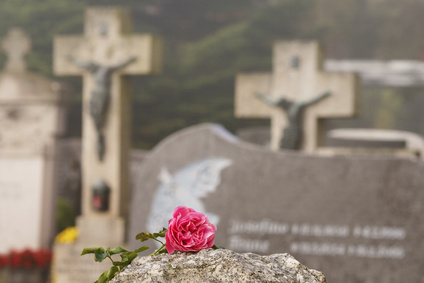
(206, 43)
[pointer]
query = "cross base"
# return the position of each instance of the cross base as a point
(101, 230)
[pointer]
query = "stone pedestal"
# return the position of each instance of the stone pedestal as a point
(21, 275)
(101, 230)
(94, 231)
(69, 267)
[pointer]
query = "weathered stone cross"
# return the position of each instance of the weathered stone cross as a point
(16, 45)
(297, 78)
(105, 53)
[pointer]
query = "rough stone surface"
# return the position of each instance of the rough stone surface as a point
(218, 266)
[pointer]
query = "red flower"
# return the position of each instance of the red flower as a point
(43, 257)
(15, 259)
(189, 231)
(4, 260)
(26, 259)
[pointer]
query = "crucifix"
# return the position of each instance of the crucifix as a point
(103, 55)
(296, 95)
(16, 45)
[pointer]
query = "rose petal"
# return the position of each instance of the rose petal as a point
(189, 230)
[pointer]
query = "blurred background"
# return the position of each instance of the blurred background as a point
(206, 43)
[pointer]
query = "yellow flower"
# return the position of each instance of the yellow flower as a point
(67, 236)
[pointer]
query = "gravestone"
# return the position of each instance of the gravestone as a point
(356, 219)
(300, 87)
(105, 53)
(393, 73)
(374, 142)
(31, 120)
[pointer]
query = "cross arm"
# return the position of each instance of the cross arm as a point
(86, 65)
(247, 104)
(124, 63)
(316, 99)
(144, 52)
(266, 99)
(344, 89)
(66, 48)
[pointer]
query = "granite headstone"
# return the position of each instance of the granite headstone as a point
(357, 219)
(31, 122)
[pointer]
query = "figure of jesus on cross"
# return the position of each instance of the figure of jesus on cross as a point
(292, 133)
(105, 55)
(100, 95)
(299, 94)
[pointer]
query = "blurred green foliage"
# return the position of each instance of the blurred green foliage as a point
(65, 214)
(206, 43)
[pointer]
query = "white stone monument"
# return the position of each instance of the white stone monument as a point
(297, 77)
(393, 73)
(31, 119)
(105, 53)
(374, 142)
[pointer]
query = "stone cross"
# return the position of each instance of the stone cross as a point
(105, 53)
(297, 77)
(16, 45)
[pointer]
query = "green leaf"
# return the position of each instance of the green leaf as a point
(103, 278)
(100, 255)
(120, 263)
(90, 250)
(214, 247)
(163, 232)
(117, 250)
(128, 257)
(142, 249)
(131, 256)
(111, 272)
(163, 251)
(144, 236)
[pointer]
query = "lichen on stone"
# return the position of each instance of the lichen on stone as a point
(218, 266)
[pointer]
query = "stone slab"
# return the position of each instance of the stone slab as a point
(356, 219)
(342, 142)
(21, 200)
(92, 229)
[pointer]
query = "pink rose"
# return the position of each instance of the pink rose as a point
(189, 231)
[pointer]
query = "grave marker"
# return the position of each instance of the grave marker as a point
(297, 78)
(374, 142)
(105, 53)
(106, 42)
(356, 219)
(31, 120)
